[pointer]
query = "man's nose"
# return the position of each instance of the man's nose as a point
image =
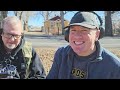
(80, 34)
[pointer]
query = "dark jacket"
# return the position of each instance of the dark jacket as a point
(16, 58)
(105, 66)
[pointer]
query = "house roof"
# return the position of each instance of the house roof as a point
(56, 18)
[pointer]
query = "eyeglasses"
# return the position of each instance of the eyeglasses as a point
(9, 36)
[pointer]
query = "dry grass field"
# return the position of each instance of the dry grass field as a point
(47, 54)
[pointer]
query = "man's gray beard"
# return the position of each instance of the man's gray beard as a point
(12, 46)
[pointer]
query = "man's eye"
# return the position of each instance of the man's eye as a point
(84, 30)
(73, 30)
(8, 34)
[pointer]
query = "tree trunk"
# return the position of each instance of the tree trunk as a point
(62, 21)
(23, 25)
(47, 29)
(20, 17)
(108, 24)
(4, 14)
(26, 26)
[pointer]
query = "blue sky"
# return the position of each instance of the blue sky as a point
(38, 19)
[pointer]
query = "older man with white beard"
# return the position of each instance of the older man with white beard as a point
(17, 56)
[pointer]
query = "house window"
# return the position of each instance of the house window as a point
(52, 24)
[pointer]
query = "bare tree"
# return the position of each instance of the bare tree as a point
(25, 20)
(62, 13)
(24, 17)
(18, 14)
(108, 24)
(4, 14)
(46, 15)
(62, 20)
(116, 22)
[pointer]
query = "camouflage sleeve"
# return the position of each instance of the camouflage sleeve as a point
(37, 70)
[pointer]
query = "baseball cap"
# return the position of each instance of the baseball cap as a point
(85, 19)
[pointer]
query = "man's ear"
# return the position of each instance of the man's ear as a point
(97, 35)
